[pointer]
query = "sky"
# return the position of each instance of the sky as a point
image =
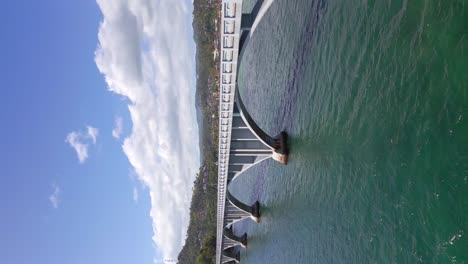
(99, 133)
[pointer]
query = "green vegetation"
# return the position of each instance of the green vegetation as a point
(208, 251)
(200, 243)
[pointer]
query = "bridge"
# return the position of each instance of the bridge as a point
(242, 143)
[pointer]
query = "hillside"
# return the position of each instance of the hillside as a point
(201, 235)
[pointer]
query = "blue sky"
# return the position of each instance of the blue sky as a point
(99, 135)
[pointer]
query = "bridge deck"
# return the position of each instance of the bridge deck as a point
(231, 14)
(242, 143)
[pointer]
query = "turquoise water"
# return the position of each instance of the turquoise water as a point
(374, 96)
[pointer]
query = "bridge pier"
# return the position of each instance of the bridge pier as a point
(281, 151)
(238, 240)
(231, 254)
(253, 210)
(277, 147)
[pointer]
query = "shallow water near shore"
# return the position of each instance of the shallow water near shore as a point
(374, 97)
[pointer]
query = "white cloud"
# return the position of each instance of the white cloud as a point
(81, 149)
(93, 133)
(147, 54)
(117, 131)
(135, 194)
(80, 141)
(54, 198)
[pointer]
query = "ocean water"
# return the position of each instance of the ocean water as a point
(374, 97)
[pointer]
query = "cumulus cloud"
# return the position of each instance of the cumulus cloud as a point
(54, 198)
(118, 126)
(79, 141)
(147, 54)
(81, 148)
(93, 133)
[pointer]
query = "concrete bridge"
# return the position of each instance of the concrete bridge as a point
(242, 143)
